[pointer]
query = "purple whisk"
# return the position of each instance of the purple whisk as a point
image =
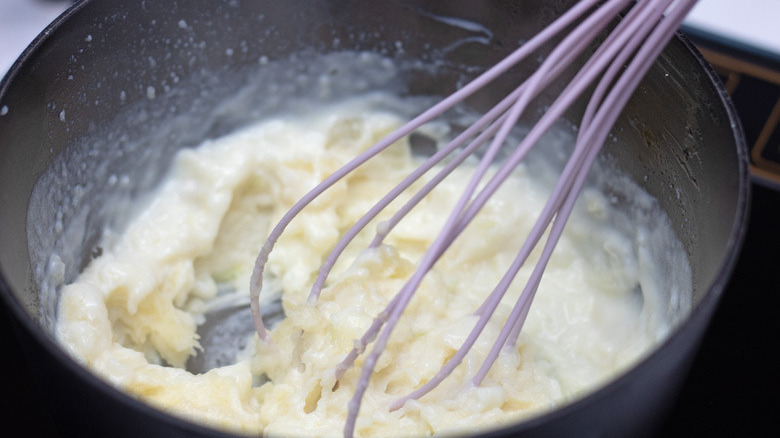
(615, 68)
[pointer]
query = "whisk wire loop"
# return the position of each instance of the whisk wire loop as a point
(604, 53)
(465, 210)
(596, 134)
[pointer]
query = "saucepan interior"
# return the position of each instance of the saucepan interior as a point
(95, 109)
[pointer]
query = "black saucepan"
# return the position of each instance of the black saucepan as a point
(116, 88)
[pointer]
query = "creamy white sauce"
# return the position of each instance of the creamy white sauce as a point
(615, 286)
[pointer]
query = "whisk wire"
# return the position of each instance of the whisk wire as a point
(468, 208)
(611, 45)
(646, 16)
(464, 209)
(591, 141)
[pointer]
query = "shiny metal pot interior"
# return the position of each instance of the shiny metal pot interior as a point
(119, 87)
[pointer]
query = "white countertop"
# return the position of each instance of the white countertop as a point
(20, 22)
(752, 22)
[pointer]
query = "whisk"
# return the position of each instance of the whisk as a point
(616, 67)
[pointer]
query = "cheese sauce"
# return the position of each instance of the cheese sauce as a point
(616, 284)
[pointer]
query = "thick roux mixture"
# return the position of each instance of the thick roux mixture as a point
(132, 315)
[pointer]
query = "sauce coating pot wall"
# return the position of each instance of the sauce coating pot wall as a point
(116, 88)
